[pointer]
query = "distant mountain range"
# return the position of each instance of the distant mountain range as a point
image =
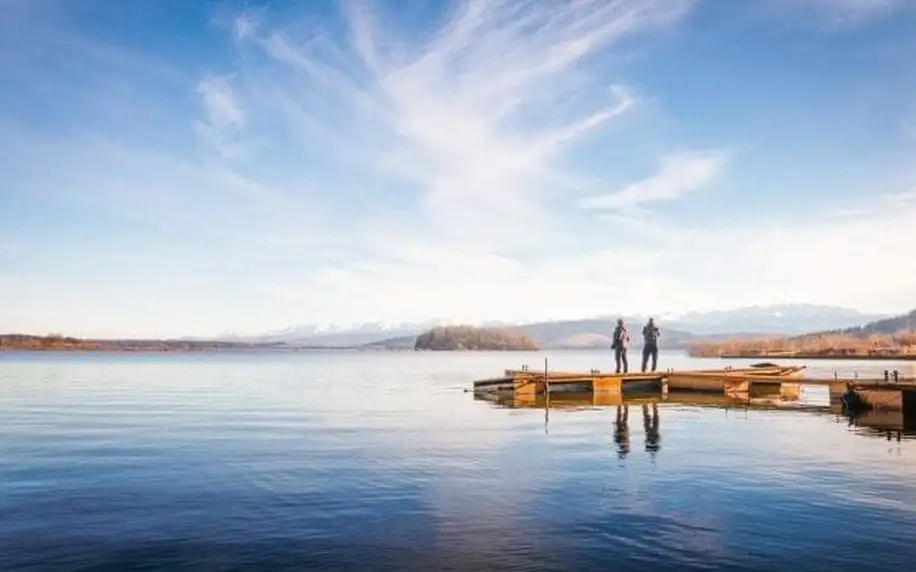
(787, 319)
(676, 330)
(883, 326)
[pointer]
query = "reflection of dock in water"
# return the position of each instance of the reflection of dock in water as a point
(585, 401)
(888, 423)
(760, 380)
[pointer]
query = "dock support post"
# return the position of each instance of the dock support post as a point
(790, 391)
(546, 398)
(526, 387)
(739, 387)
(604, 385)
(546, 385)
(837, 389)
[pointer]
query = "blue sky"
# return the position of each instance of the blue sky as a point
(177, 167)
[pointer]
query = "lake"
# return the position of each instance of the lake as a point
(381, 461)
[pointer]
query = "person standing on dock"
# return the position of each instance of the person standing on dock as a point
(619, 345)
(650, 344)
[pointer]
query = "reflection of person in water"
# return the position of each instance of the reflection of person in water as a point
(622, 431)
(650, 425)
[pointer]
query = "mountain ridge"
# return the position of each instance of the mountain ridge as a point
(893, 337)
(772, 320)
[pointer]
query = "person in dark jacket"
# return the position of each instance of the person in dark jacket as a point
(620, 340)
(650, 344)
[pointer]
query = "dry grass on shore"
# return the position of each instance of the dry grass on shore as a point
(898, 344)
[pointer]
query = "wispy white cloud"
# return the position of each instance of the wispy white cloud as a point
(841, 14)
(678, 174)
(224, 117)
(460, 117)
(402, 176)
(244, 26)
(901, 199)
(908, 124)
(849, 257)
(856, 10)
(471, 125)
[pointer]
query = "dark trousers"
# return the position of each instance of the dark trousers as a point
(649, 350)
(620, 356)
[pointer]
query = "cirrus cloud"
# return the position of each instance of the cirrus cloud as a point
(678, 174)
(388, 170)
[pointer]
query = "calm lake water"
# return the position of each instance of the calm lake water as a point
(383, 462)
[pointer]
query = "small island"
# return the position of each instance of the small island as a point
(468, 338)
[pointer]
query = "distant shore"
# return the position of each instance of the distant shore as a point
(899, 346)
(193, 350)
(837, 356)
(54, 343)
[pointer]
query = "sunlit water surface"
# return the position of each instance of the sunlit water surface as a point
(381, 461)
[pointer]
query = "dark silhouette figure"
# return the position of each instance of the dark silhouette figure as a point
(622, 431)
(619, 345)
(650, 425)
(650, 344)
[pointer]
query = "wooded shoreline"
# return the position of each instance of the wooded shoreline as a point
(58, 343)
(17, 342)
(898, 346)
(777, 355)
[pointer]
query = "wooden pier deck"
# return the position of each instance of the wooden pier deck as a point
(533, 381)
(785, 381)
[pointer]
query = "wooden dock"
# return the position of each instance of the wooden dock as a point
(769, 379)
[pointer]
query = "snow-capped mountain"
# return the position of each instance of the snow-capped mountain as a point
(343, 334)
(781, 319)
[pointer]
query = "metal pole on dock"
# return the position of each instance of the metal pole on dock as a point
(546, 384)
(546, 397)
